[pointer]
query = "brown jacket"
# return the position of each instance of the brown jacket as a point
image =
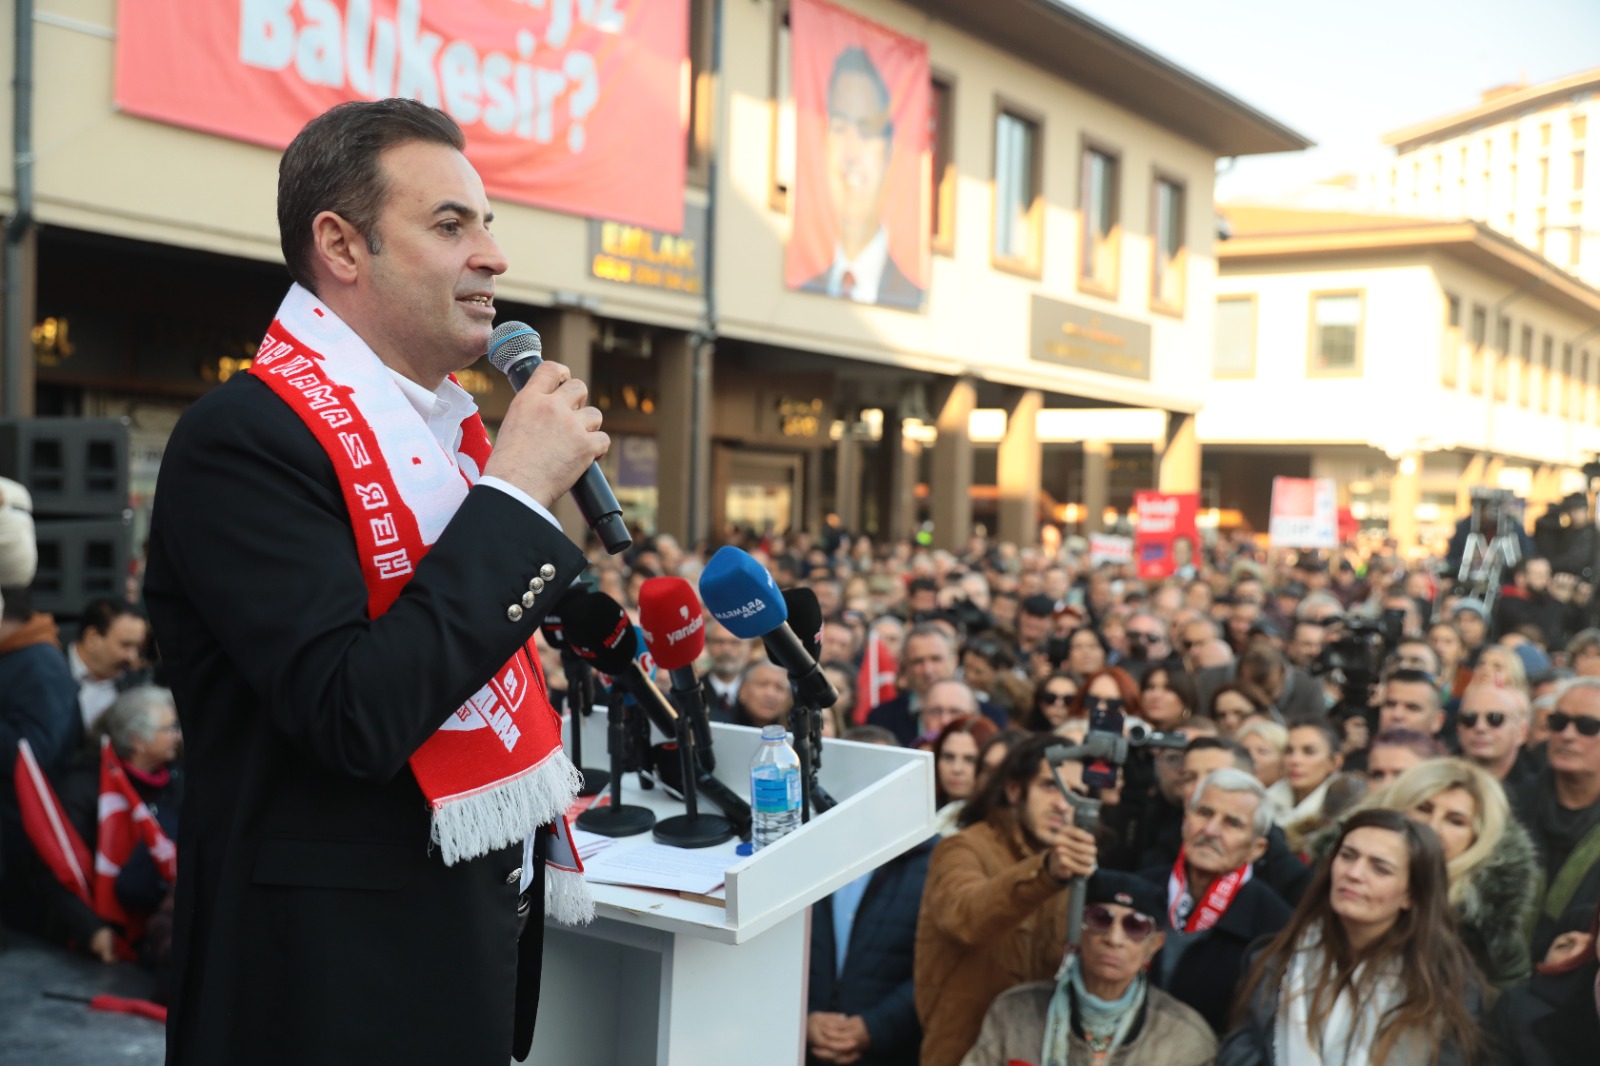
(992, 917)
(1170, 1033)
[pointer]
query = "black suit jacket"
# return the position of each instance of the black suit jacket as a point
(895, 716)
(894, 288)
(314, 923)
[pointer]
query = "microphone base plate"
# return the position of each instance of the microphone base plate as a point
(698, 831)
(594, 781)
(616, 821)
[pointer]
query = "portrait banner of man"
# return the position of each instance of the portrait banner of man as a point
(861, 191)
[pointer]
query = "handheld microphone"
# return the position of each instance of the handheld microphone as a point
(516, 351)
(674, 629)
(744, 598)
(600, 631)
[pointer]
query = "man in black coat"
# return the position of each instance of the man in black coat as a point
(860, 999)
(1216, 907)
(316, 921)
(929, 659)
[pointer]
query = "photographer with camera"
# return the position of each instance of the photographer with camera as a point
(994, 912)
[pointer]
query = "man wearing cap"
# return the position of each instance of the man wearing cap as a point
(1102, 1007)
(1472, 619)
(1216, 907)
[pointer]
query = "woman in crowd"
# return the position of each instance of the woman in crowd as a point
(989, 668)
(1087, 652)
(1369, 969)
(1167, 697)
(1394, 751)
(1102, 1007)
(1554, 1019)
(1055, 699)
(1309, 764)
(1494, 872)
(1268, 743)
(1445, 640)
(1501, 667)
(956, 752)
(1230, 706)
(1112, 688)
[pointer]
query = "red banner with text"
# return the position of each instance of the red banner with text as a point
(1167, 540)
(571, 105)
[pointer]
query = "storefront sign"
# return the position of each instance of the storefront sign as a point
(800, 418)
(861, 109)
(634, 255)
(1167, 540)
(571, 105)
(1090, 340)
(1305, 513)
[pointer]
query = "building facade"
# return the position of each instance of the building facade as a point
(1410, 360)
(1069, 265)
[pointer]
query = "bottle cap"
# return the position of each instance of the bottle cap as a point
(773, 732)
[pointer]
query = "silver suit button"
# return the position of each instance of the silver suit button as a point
(514, 612)
(527, 600)
(547, 572)
(536, 585)
(513, 876)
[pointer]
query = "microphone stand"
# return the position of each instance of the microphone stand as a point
(580, 704)
(691, 829)
(616, 820)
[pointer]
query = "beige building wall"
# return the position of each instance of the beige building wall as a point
(1516, 168)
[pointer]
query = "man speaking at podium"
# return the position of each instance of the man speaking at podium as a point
(343, 582)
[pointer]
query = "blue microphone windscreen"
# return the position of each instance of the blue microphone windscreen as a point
(741, 595)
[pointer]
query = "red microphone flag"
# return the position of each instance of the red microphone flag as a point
(673, 621)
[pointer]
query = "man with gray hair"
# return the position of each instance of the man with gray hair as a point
(930, 657)
(1215, 907)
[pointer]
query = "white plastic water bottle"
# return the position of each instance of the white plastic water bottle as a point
(774, 788)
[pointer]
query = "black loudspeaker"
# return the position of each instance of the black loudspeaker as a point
(81, 559)
(72, 466)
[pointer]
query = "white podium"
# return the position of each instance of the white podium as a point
(658, 980)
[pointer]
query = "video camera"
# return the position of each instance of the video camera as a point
(1356, 659)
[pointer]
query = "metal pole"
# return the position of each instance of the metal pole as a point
(18, 330)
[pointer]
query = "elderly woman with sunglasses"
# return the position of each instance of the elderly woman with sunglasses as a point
(1102, 1008)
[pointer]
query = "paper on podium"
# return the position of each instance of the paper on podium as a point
(660, 866)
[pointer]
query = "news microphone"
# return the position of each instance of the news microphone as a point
(580, 686)
(515, 350)
(601, 632)
(674, 626)
(745, 599)
(805, 618)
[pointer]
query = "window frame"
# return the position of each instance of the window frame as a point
(1450, 355)
(1028, 268)
(1255, 337)
(1180, 261)
(777, 97)
(1087, 145)
(942, 194)
(1357, 367)
(700, 137)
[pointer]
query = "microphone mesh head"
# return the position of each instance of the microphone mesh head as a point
(510, 342)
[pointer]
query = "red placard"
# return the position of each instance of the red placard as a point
(861, 183)
(571, 105)
(1167, 539)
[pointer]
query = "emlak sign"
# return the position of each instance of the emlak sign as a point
(571, 105)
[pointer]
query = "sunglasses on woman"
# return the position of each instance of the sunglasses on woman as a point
(1586, 725)
(1098, 919)
(1051, 698)
(1496, 719)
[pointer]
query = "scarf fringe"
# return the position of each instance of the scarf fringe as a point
(507, 814)
(567, 898)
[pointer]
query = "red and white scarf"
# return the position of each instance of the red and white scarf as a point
(1183, 915)
(495, 771)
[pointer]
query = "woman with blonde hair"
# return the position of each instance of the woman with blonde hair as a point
(1267, 742)
(1493, 868)
(1501, 667)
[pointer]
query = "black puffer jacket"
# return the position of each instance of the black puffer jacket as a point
(1550, 1021)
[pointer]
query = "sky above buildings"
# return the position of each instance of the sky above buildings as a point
(1345, 74)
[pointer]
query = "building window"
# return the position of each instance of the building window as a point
(1587, 386)
(1525, 368)
(1335, 334)
(1544, 135)
(1544, 177)
(1502, 359)
(1566, 384)
(941, 138)
(1017, 212)
(1169, 262)
(1100, 207)
(1547, 372)
(1577, 172)
(701, 98)
(1236, 337)
(1540, 228)
(1450, 354)
(782, 103)
(1480, 357)
(1580, 128)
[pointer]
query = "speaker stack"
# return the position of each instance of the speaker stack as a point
(77, 471)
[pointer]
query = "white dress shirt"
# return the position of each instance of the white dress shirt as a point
(94, 695)
(867, 268)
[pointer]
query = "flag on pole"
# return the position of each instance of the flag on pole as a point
(876, 682)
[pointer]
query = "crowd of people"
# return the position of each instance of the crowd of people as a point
(1370, 832)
